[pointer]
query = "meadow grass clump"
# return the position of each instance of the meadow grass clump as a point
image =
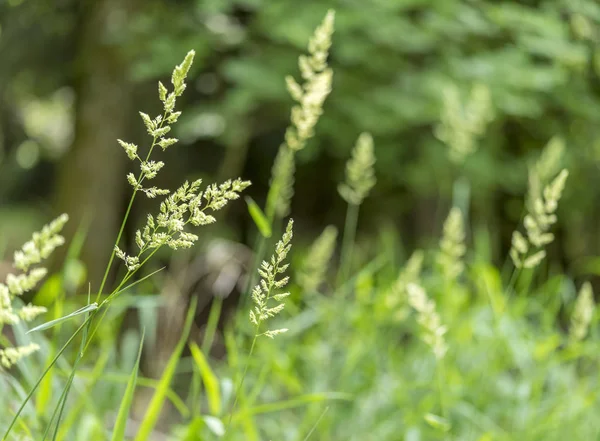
(188, 206)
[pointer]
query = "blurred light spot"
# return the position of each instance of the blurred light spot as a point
(50, 120)
(207, 83)
(28, 154)
(218, 23)
(208, 125)
(226, 27)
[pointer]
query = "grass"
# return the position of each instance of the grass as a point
(441, 345)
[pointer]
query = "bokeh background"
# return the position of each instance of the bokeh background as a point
(73, 75)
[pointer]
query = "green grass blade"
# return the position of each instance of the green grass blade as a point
(155, 406)
(51, 323)
(121, 422)
(314, 427)
(212, 324)
(73, 371)
(114, 377)
(85, 403)
(259, 218)
(293, 403)
(211, 383)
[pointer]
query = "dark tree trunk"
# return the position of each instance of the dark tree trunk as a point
(91, 181)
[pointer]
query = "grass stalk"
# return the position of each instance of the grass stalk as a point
(348, 242)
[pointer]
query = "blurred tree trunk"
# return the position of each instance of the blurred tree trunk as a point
(91, 180)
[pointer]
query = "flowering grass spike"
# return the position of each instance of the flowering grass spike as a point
(310, 97)
(583, 312)
(452, 245)
(360, 173)
(158, 128)
(267, 302)
(318, 258)
(33, 252)
(188, 205)
(432, 329)
(462, 124)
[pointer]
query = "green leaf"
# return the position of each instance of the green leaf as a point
(259, 218)
(155, 406)
(51, 323)
(437, 422)
(211, 383)
(121, 422)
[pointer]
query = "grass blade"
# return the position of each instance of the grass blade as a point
(293, 403)
(51, 323)
(155, 406)
(259, 218)
(121, 422)
(211, 383)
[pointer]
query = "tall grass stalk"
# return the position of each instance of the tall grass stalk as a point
(349, 236)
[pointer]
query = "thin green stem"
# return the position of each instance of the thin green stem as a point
(211, 325)
(140, 179)
(258, 258)
(71, 377)
(241, 383)
(314, 427)
(348, 242)
(112, 254)
(257, 334)
(440, 384)
(261, 247)
(106, 302)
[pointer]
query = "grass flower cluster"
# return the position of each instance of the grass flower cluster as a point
(432, 329)
(462, 124)
(310, 96)
(410, 273)
(360, 174)
(33, 252)
(528, 251)
(316, 263)
(583, 312)
(267, 301)
(452, 245)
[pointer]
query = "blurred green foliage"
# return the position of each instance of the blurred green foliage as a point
(392, 61)
(352, 365)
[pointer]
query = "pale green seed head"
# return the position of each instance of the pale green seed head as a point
(360, 171)
(583, 312)
(268, 301)
(463, 123)
(452, 245)
(317, 260)
(432, 330)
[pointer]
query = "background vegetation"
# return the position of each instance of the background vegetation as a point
(73, 76)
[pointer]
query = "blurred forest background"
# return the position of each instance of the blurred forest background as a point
(74, 73)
